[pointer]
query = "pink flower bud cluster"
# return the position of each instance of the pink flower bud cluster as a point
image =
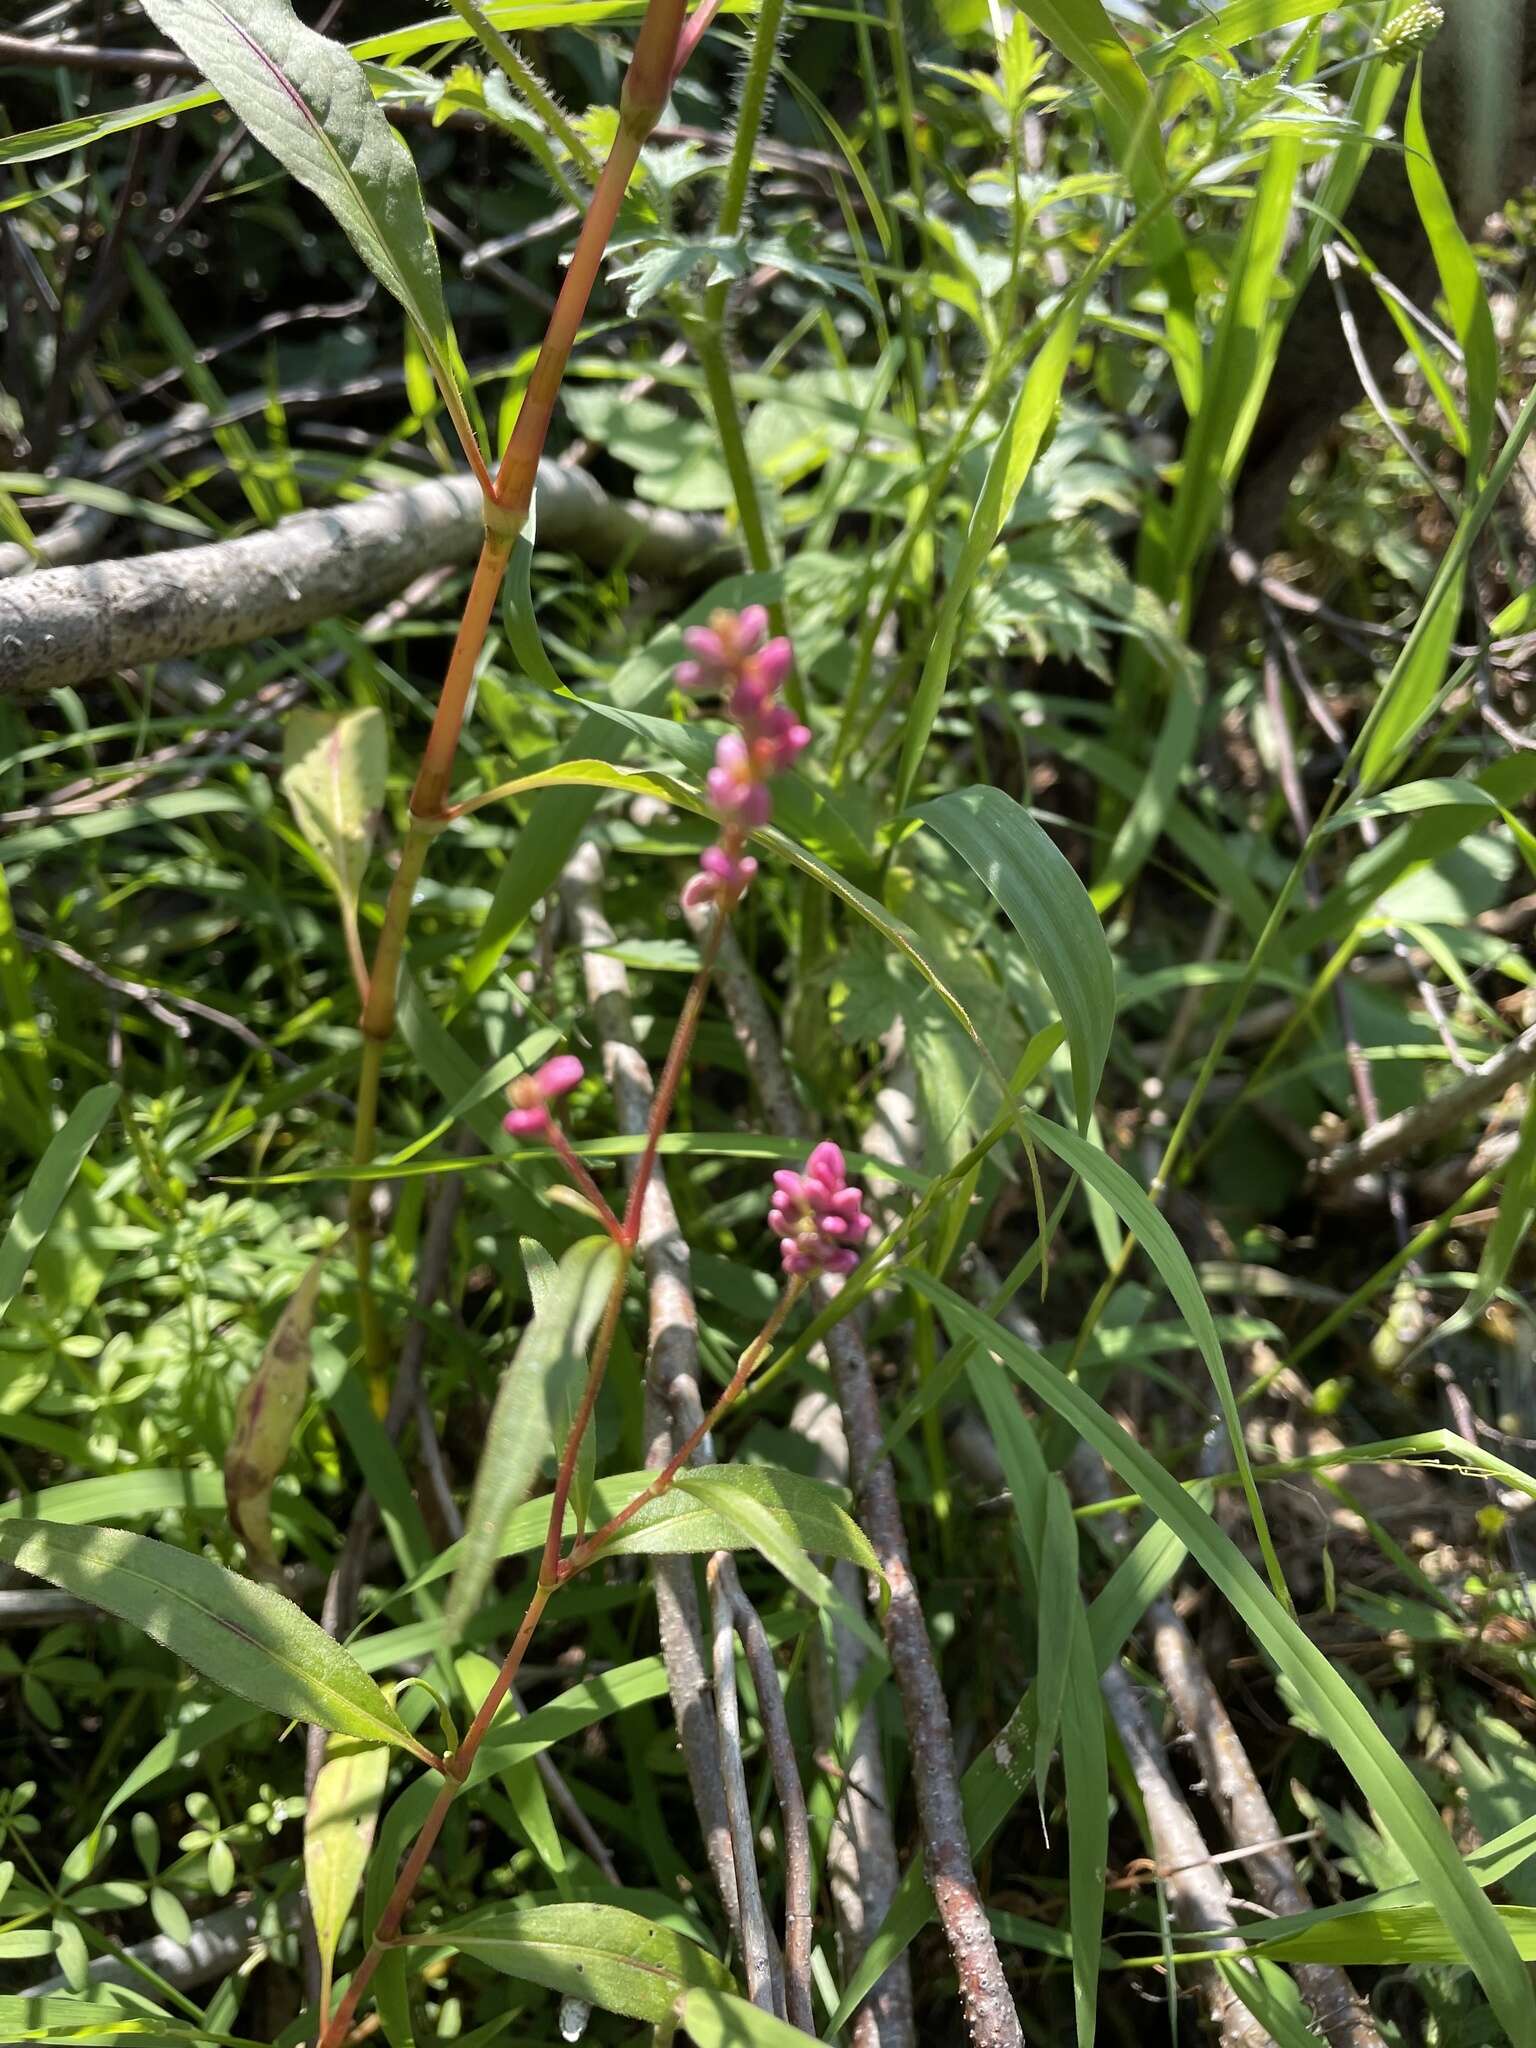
(731, 655)
(818, 1216)
(531, 1095)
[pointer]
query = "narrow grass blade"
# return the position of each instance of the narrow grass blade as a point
(1404, 1811)
(1039, 892)
(52, 1179)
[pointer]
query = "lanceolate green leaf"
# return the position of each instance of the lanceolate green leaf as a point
(340, 1815)
(756, 1525)
(1404, 1811)
(717, 2019)
(1459, 279)
(51, 1181)
(246, 1638)
(307, 100)
(1133, 1206)
(602, 1954)
(1040, 894)
(534, 1393)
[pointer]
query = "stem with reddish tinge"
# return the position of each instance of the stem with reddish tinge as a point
(456, 1771)
(583, 1552)
(671, 1074)
(646, 85)
(561, 1145)
(552, 1570)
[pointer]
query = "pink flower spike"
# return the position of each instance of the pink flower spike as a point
(818, 1215)
(722, 649)
(531, 1095)
(771, 664)
(738, 796)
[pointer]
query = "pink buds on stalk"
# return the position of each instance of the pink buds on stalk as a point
(531, 1095)
(818, 1216)
(730, 655)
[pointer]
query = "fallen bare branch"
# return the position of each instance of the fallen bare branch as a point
(755, 1953)
(1411, 1130)
(860, 1859)
(1198, 1894)
(64, 626)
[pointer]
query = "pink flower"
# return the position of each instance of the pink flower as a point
(777, 741)
(722, 878)
(818, 1215)
(738, 793)
(531, 1095)
(721, 648)
(730, 655)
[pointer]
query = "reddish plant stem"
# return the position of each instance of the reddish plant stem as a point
(576, 1167)
(671, 1074)
(429, 796)
(550, 1571)
(458, 1767)
(553, 1571)
(750, 1360)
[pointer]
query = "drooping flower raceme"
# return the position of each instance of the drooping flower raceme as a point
(731, 656)
(818, 1216)
(531, 1095)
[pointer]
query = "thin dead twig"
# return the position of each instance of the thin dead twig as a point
(674, 1411)
(1411, 1130)
(990, 2016)
(755, 1952)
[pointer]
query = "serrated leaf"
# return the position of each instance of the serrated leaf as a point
(335, 767)
(308, 101)
(534, 1396)
(339, 1819)
(246, 1638)
(602, 1954)
(266, 1415)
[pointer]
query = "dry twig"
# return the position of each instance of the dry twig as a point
(990, 2017)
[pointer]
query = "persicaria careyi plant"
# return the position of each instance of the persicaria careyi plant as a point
(729, 656)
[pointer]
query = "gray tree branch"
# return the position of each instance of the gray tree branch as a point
(60, 627)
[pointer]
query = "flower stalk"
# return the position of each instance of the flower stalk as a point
(508, 498)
